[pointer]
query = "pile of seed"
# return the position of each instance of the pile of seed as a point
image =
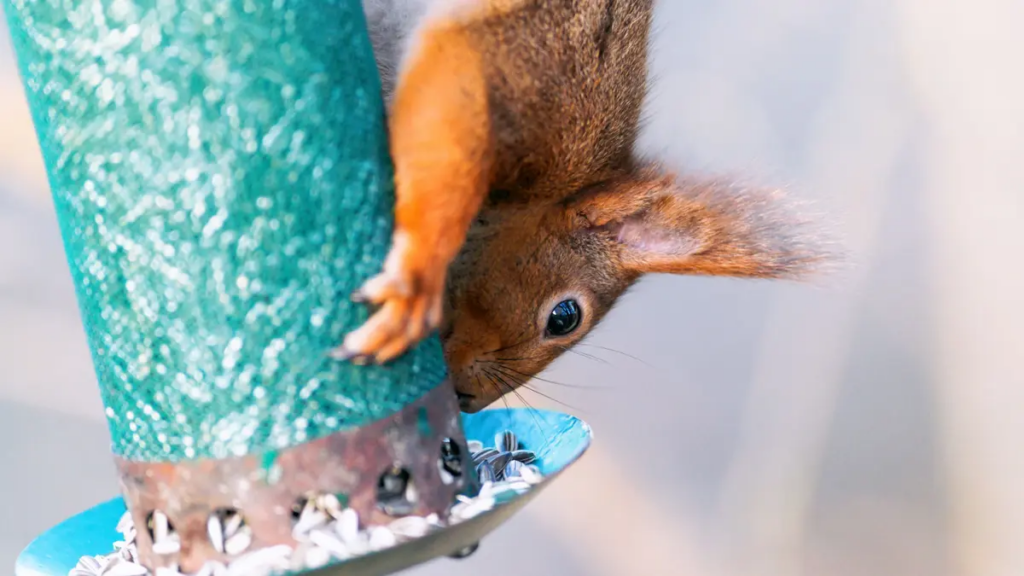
(325, 530)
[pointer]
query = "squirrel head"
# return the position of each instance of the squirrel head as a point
(535, 278)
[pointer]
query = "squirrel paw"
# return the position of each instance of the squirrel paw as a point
(409, 308)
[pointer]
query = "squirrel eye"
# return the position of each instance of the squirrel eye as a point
(564, 318)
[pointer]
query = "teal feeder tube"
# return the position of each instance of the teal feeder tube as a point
(221, 177)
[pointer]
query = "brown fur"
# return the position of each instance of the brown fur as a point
(513, 126)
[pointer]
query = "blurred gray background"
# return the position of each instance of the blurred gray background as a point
(867, 425)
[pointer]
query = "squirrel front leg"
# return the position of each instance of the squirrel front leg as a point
(442, 148)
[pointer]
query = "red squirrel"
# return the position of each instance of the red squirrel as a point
(522, 210)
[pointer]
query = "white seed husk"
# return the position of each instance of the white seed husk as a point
(125, 523)
(238, 543)
(347, 526)
(381, 538)
(325, 529)
(215, 531)
(410, 527)
(330, 504)
(166, 547)
(232, 525)
(330, 542)
(310, 518)
(161, 526)
(509, 442)
(317, 558)
(212, 568)
(531, 474)
(90, 563)
(122, 568)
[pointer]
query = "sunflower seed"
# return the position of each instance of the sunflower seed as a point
(232, 524)
(108, 562)
(122, 568)
(252, 568)
(330, 504)
(531, 474)
(124, 551)
(486, 489)
(410, 527)
(506, 441)
(238, 543)
(274, 556)
(524, 456)
(317, 558)
(360, 545)
(466, 510)
(331, 543)
(297, 560)
(166, 547)
(479, 506)
(215, 530)
(485, 472)
(161, 526)
(125, 523)
(324, 527)
(484, 455)
(310, 518)
(268, 559)
(498, 463)
(518, 486)
(89, 563)
(258, 570)
(513, 469)
(347, 526)
(381, 538)
(212, 568)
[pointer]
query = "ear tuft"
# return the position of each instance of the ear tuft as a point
(660, 224)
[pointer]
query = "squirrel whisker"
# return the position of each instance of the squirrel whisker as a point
(524, 377)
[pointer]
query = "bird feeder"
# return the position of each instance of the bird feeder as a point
(222, 182)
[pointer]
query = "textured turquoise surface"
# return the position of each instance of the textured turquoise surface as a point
(558, 439)
(222, 182)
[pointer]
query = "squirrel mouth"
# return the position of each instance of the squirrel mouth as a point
(465, 400)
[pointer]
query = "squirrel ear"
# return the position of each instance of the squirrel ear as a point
(659, 224)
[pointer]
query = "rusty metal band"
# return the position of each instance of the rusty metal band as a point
(266, 488)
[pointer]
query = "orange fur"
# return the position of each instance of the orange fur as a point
(512, 128)
(441, 146)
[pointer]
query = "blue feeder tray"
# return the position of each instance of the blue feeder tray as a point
(557, 439)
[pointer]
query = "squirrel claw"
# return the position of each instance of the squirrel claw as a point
(402, 317)
(342, 353)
